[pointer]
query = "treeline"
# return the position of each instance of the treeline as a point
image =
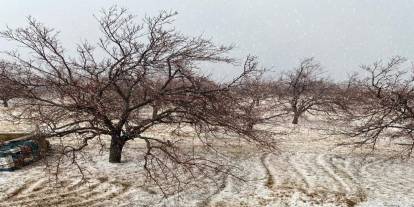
(378, 104)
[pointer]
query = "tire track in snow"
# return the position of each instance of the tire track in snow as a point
(251, 188)
(317, 177)
(324, 172)
(326, 162)
(348, 172)
(41, 193)
(301, 169)
(269, 177)
(388, 179)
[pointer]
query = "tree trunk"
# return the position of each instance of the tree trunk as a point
(5, 103)
(115, 150)
(257, 102)
(250, 126)
(296, 114)
(295, 118)
(155, 111)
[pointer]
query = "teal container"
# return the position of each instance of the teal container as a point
(16, 154)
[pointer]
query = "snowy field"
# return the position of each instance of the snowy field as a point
(308, 170)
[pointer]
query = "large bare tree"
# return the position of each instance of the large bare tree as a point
(107, 88)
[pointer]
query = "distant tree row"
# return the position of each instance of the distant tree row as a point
(375, 105)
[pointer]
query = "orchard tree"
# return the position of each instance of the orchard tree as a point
(255, 95)
(107, 88)
(304, 89)
(383, 105)
(8, 89)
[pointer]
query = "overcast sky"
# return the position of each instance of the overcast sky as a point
(341, 34)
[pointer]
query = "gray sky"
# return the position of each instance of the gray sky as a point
(341, 34)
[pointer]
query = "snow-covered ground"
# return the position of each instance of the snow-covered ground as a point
(308, 170)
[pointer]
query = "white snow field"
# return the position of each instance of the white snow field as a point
(306, 171)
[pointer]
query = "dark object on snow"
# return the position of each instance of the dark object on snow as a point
(18, 153)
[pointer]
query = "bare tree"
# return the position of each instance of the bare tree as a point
(305, 90)
(383, 107)
(255, 94)
(107, 88)
(344, 96)
(8, 90)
